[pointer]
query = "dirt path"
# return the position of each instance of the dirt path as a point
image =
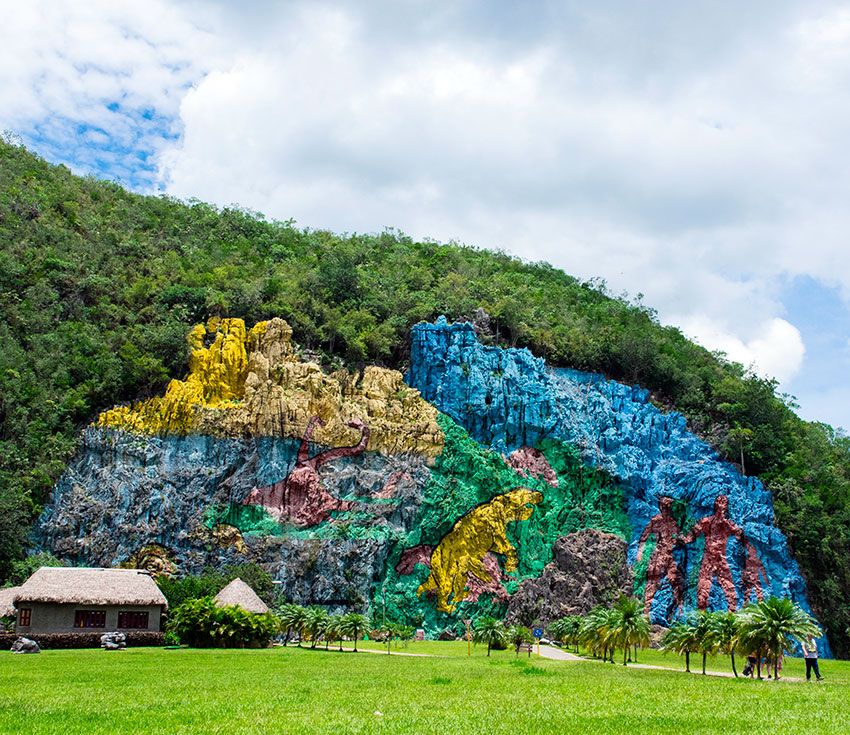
(558, 654)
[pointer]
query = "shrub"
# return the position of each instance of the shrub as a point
(202, 624)
(83, 640)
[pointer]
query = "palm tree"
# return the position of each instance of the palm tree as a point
(490, 631)
(330, 629)
(705, 633)
(292, 619)
(314, 623)
(775, 625)
(518, 635)
(559, 630)
(352, 625)
(596, 631)
(727, 635)
(573, 628)
(681, 639)
(629, 626)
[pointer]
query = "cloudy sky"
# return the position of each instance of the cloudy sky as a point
(697, 153)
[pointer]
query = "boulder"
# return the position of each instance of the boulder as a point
(25, 645)
(588, 568)
(113, 641)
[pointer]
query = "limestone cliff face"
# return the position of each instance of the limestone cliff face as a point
(251, 384)
(508, 398)
(125, 491)
(358, 490)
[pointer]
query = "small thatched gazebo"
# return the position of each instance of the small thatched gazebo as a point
(240, 594)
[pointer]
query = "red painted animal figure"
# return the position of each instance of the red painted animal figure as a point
(300, 498)
(661, 565)
(752, 575)
(717, 529)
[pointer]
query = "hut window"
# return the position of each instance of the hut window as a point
(90, 618)
(133, 619)
(24, 617)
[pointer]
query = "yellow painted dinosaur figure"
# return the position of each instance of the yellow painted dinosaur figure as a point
(462, 550)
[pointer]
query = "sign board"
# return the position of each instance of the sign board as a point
(538, 632)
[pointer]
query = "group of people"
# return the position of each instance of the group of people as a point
(810, 654)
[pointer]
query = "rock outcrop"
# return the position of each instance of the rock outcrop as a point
(25, 645)
(358, 489)
(252, 384)
(508, 399)
(588, 568)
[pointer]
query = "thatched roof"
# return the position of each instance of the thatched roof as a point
(7, 601)
(240, 594)
(91, 586)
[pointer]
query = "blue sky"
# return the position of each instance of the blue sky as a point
(694, 153)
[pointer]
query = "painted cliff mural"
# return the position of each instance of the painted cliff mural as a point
(482, 482)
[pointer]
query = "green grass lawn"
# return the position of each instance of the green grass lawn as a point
(302, 691)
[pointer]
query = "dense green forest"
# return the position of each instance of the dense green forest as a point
(98, 287)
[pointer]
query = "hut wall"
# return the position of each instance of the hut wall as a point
(59, 618)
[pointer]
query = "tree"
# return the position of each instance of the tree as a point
(331, 631)
(293, 619)
(740, 437)
(353, 625)
(315, 619)
(597, 632)
(490, 631)
(519, 635)
(774, 626)
(629, 626)
(727, 636)
(681, 639)
(705, 634)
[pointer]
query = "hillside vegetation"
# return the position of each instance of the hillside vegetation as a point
(98, 287)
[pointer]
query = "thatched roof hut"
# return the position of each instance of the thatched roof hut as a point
(240, 594)
(90, 586)
(7, 601)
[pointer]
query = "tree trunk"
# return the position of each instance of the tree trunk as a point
(758, 665)
(625, 650)
(704, 655)
(488, 650)
(776, 668)
(734, 670)
(688, 661)
(355, 643)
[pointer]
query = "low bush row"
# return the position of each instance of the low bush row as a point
(83, 640)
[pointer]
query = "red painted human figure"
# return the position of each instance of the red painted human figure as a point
(662, 565)
(717, 529)
(752, 575)
(300, 498)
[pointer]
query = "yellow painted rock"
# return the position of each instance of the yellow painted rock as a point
(476, 533)
(251, 383)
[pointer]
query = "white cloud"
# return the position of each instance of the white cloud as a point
(776, 350)
(94, 82)
(695, 153)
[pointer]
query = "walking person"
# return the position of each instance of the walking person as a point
(810, 652)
